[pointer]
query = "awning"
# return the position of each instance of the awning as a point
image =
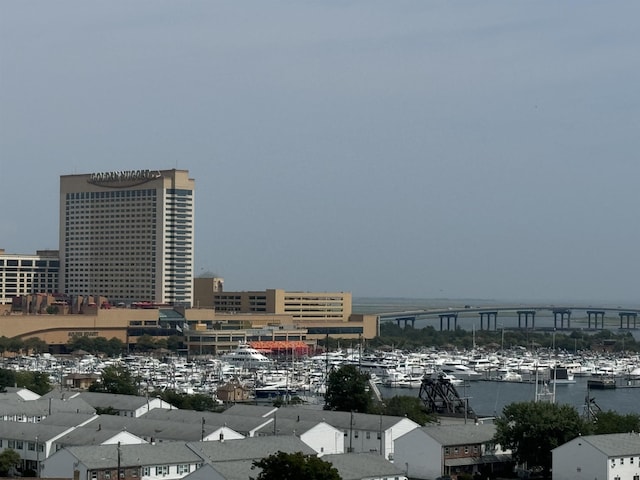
(281, 346)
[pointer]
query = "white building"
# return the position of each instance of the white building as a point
(601, 457)
(166, 461)
(28, 274)
(362, 432)
(128, 236)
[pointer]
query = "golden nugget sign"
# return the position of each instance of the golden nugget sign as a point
(123, 178)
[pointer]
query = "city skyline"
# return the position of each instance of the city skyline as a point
(407, 149)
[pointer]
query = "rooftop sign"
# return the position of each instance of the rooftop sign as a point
(123, 178)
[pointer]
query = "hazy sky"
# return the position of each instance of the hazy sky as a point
(389, 148)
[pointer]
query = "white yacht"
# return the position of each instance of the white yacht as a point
(247, 357)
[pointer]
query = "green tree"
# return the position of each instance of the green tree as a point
(37, 382)
(7, 378)
(410, 407)
(294, 466)
(36, 345)
(612, 422)
(9, 460)
(116, 379)
(146, 343)
(348, 390)
(532, 429)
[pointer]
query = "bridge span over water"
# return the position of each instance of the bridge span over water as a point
(450, 316)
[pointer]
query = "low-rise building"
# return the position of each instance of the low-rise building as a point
(605, 457)
(435, 450)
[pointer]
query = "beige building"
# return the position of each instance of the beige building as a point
(128, 236)
(27, 274)
(320, 313)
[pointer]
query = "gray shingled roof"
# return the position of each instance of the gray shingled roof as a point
(65, 419)
(465, 434)
(251, 410)
(615, 444)
(341, 420)
(43, 406)
(29, 431)
(356, 466)
(106, 456)
(241, 424)
(287, 426)
(234, 470)
(152, 428)
(86, 436)
(250, 448)
(118, 402)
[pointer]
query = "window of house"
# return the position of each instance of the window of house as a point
(107, 474)
(12, 443)
(466, 450)
(31, 446)
(475, 449)
(94, 475)
(356, 434)
(622, 461)
(368, 435)
(146, 471)
(19, 444)
(162, 470)
(447, 450)
(455, 450)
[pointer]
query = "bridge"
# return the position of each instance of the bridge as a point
(450, 316)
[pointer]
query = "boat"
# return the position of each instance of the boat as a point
(561, 376)
(247, 357)
(601, 382)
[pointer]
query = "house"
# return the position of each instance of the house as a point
(362, 432)
(131, 406)
(365, 466)
(36, 441)
(322, 437)
(149, 430)
(352, 466)
(435, 450)
(79, 381)
(246, 426)
(613, 456)
(233, 392)
(166, 461)
(33, 411)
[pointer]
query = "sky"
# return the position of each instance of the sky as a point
(419, 149)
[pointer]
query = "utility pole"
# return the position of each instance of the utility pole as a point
(118, 449)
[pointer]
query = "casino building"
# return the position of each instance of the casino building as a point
(128, 236)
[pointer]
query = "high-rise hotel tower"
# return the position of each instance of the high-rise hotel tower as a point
(128, 236)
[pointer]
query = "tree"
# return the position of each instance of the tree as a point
(347, 390)
(9, 460)
(37, 382)
(294, 466)
(532, 429)
(410, 407)
(115, 379)
(612, 422)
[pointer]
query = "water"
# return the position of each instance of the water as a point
(489, 398)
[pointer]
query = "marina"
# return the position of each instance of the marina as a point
(489, 380)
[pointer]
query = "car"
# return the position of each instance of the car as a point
(444, 477)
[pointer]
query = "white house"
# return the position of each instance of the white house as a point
(320, 436)
(431, 451)
(601, 457)
(166, 461)
(125, 405)
(362, 432)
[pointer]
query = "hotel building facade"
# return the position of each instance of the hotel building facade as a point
(128, 236)
(26, 274)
